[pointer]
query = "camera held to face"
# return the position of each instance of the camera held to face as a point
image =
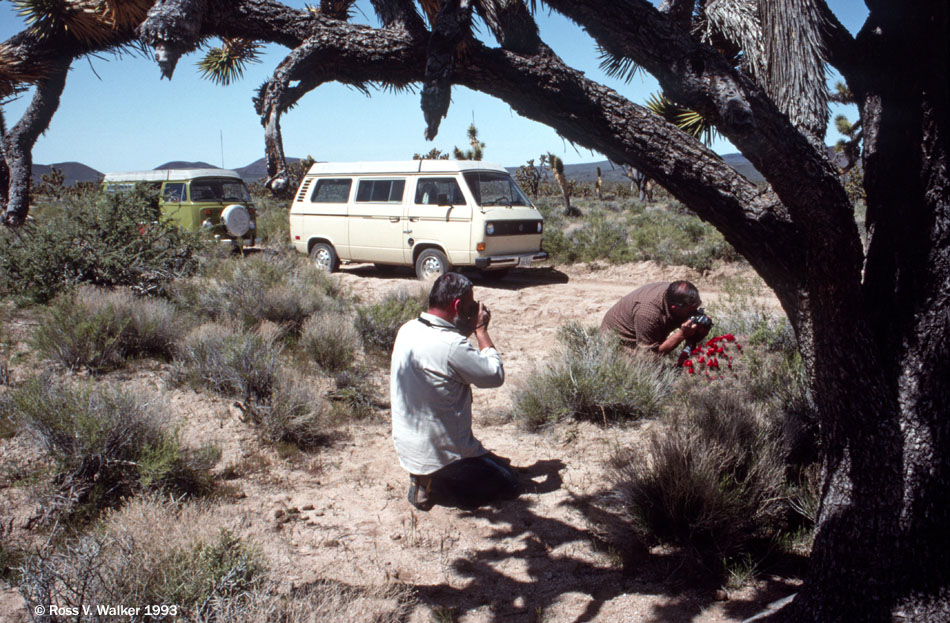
(701, 319)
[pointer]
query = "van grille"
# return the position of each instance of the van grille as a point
(303, 189)
(513, 228)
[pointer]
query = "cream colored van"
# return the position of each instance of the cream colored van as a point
(432, 215)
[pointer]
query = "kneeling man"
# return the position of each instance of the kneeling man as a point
(433, 368)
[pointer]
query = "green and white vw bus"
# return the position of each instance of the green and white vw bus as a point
(215, 201)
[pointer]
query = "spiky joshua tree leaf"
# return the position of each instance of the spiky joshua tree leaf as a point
(226, 64)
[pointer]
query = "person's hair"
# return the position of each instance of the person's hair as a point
(447, 288)
(682, 294)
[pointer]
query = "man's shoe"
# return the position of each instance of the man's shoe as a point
(419, 492)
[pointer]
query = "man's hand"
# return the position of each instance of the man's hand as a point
(481, 327)
(483, 317)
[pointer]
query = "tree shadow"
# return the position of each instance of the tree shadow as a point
(686, 593)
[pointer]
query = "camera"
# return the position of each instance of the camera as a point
(700, 318)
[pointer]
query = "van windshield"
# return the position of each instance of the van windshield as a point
(219, 190)
(494, 189)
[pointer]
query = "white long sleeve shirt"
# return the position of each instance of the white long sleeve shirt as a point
(433, 369)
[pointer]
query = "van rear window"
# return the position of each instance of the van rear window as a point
(380, 191)
(332, 191)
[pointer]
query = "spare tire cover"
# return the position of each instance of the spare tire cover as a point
(236, 219)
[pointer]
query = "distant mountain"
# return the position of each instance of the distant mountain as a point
(72, 172)
(258, 169)
(78, 172)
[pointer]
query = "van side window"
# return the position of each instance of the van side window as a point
(331, 191)
(380, 191)
(438, 191)
(173, 193)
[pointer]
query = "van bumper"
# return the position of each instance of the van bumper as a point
(509, 261)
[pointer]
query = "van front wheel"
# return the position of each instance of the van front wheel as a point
(324, 257)
(431, 264)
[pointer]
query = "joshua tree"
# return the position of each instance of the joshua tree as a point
(476, 150)
(557, 170)
(872, 321)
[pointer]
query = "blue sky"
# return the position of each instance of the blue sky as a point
(116, 114)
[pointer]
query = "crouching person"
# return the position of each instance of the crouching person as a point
(433, 368)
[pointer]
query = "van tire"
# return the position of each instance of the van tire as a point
(432, 264)
(324, 257)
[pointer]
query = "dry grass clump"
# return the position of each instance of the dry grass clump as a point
(152, 552)
(330, 339)
(100, 329)
(591, 377)
(713, 477)
(229, 360)
(294, 414)
(279, 288)
(378, 323)
(104, 444)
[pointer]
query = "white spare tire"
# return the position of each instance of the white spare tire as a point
(236, 219)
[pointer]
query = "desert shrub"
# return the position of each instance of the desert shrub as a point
(105, 444)
(102, 239)
(355, 396)
(711, 480)
(151, 553)
(378, 323)
(591, 377)
(293, 414)
(99, 329)
(273, 222)
(330, 340)
(273, 287)
(230, 361)
(627, 231)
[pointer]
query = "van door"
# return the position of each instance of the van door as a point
(173, 194)
(439, 214)
(376, 221)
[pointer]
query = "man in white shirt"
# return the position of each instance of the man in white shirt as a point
(433, 368)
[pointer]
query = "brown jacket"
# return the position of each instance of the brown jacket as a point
(642, 319)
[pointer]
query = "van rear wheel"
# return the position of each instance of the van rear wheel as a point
(325, 258)
(432, 264)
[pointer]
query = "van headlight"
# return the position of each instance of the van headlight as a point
(490, 229)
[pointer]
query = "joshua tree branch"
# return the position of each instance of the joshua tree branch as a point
(18, 142)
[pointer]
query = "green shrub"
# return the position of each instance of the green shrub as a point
(330, 340)
(149, 554)
(591, 377)
(378, 323)
(712, 480)
(630, 232)
(105, 444)
(229, 361)
(102, 239)
(99, 329)
(273, 222)
(279, 288)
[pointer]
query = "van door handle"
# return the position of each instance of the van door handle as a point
(407, 231)
(413, 219)
(393, 219)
